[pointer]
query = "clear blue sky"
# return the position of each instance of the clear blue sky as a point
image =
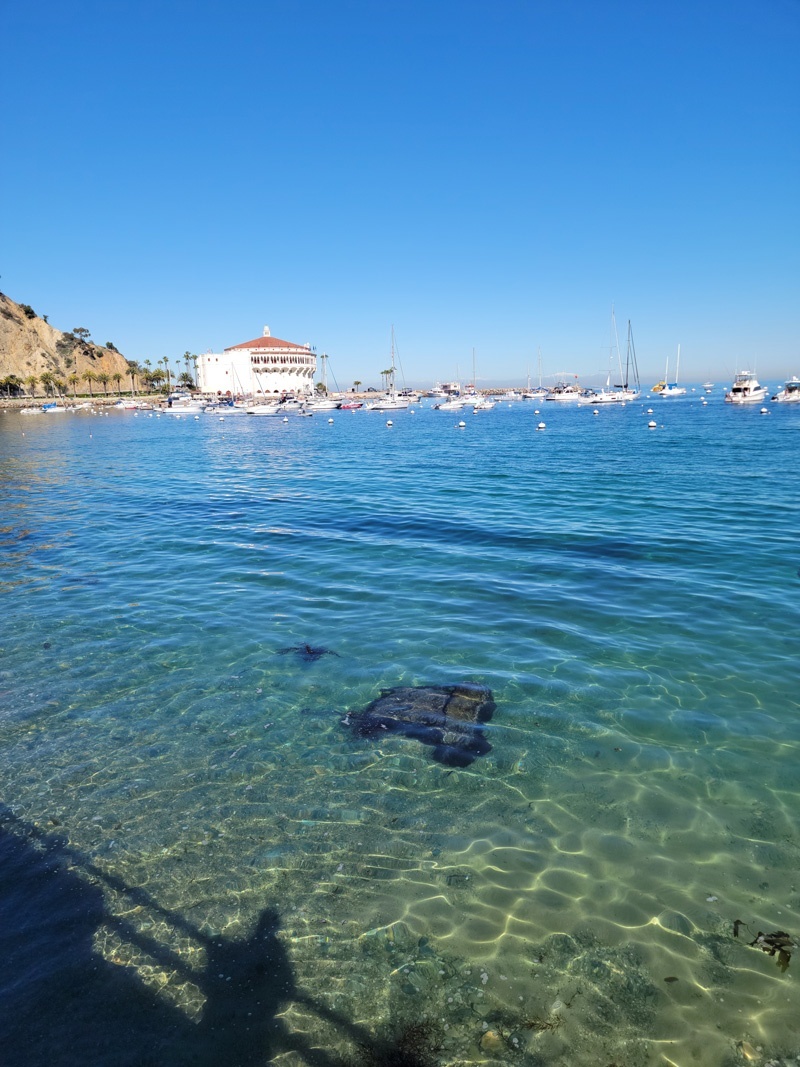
(177, 174)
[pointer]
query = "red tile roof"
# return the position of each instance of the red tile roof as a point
(268, 342)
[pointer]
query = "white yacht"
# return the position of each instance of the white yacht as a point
(184, 404)
(790, 394)
(746, 389)
(565, 392)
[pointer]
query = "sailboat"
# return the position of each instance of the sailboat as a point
(669, 388)
(621, 391)
(540, 392)
(323, 402)
(391, 400)
(473, 398)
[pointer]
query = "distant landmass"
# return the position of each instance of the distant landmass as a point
(30, 348)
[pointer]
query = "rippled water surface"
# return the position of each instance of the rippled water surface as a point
(210, 866)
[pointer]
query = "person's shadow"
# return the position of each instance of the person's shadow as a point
(63, 1004)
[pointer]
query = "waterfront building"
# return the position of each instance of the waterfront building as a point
(265, 365)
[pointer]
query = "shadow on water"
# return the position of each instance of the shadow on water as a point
(62, 1003)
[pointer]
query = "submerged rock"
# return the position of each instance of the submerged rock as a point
(449, 717)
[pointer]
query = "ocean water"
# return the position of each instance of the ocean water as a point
(201, 862)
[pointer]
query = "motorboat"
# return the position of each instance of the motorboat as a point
(746, 389)
(184, 404)
(708, 386)
(351, 405)
(790, 394)
(455, 403)
(565, 392)
(323, 403)
(53, 408)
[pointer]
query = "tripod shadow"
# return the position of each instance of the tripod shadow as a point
(63, 1004)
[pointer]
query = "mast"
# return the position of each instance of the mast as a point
(614, 341)
(678, 363)
(630, 360)
(540, 366)
(391, 384)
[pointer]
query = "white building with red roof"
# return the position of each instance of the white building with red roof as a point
(266, 365)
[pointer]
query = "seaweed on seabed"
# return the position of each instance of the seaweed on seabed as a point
(308, 653)
(412, 1046)
(777, 942)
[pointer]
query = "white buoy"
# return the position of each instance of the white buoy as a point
(541, 426)
(536, 411)
(330, 420)
(649, 411)
(704, 403)
(765, 411)
(652, 424)
(595, 412)
(389, 422)
(196, 417)
(461, 425)
(411, 411)
(285, 419)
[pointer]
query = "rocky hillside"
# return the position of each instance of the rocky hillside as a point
(30, 346)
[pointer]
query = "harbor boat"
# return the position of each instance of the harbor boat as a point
(708, 386)
(53, 408)
(263, 408)
(565, 392)
(184, 404)
(454, 403)
(391, 400)
(669, 388)
(539, 392)
(620, 392)
(790, 394)
(322, 401)
(746, 389)
(351, 405)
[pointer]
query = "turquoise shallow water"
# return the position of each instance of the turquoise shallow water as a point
(631, 596)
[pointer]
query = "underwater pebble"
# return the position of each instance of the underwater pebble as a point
(711, 899)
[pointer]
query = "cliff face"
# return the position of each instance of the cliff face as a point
(31, 346)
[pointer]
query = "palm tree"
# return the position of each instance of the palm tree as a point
(59, 386)
(89, 376)
(47, 381)
(157, 376)
(11, 381)
(104, 379)
(356, 384)
(116, 377)
(186, 380)
(165, 361)
(73, 381)
(32, 381)
(134, 370)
